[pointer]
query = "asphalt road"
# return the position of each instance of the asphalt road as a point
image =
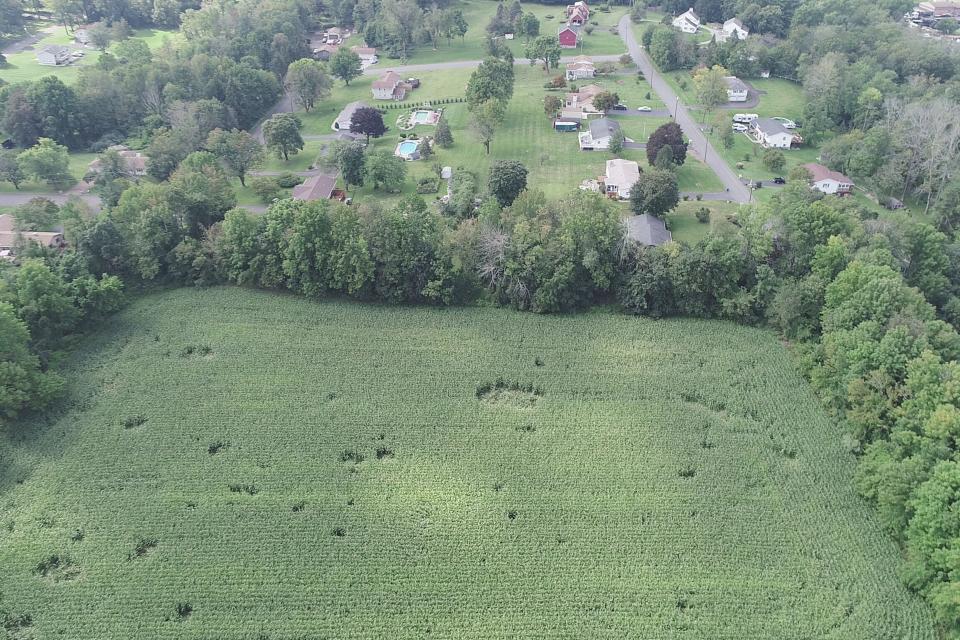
(699, 145)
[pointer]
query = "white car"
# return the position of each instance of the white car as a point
(644, 108)
(786, 122)
(741, 128)
(745, 118)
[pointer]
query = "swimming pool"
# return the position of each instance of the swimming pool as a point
(425, 116)
(407, 150)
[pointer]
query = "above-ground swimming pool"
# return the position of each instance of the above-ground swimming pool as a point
(408, 150)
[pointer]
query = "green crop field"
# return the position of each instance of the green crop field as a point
(237, 464)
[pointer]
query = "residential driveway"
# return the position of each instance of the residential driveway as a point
(699, 144)
(634, 145)
(28, 41)
(753, 99)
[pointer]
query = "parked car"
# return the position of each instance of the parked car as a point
(644, 108)
(756, 184)
(745, 118)
(779, 180)
(619, 107)
(739, 127)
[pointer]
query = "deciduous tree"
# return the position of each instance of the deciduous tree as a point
(282, 134)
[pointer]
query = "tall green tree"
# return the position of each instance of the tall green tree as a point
(47, 161)
(308, 81)
(656, 192)
(485, 119)
(281, 133)
(238, 150)
(345, 64)
(386, 171)
(545, 48)
(506, 180)
(23, 385)
(351, 161)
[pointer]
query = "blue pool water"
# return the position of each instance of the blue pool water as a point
(406, 148)
(421, 116)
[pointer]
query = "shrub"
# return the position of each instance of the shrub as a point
(288, 180)
(703, 215)
(265, 187)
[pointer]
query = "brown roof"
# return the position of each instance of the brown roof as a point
(46, 238)
(820, 172)
(318, 187)
(387, 81)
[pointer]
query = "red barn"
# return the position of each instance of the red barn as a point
(568, 37)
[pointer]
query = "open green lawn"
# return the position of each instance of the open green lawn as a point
(78, 168)
(555, 163)
(478, 14)
(239, 464)
(302, 161)
(686, 228)
(23, 66)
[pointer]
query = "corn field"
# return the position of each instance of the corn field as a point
(237, 464)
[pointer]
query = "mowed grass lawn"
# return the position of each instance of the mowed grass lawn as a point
(555, 163)
(23, 66)
(237, 464)
(478, 14)
(79, 162)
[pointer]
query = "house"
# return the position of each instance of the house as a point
(324, 51)
(688, 22)
(342, 123)
(578, 13)
(737, 90)
(318, 187)
(647, 230)
(54, 55)
(368, 55)
(620, 177)
(579, 105)
(569, 36)
(771, 133)
(581, 67)
(134, 162)
(83, 34)
(390, 86)
(826, 181)
(10, 237)
(940, 8)
(731, 29)
(598, 134)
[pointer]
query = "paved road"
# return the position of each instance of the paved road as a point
(17, 198)
(699, 145)
(381, 68)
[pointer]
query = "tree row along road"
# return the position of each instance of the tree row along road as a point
(699, 145)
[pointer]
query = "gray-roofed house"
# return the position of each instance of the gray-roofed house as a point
(647, 230)
(342, 123)
(598, 134)
(771, 133)
(54, 55)
(318, 187)
(737, 89)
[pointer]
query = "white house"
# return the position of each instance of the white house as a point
(582, 67)
(54, 55)
(579, 105)
(827, 181)
(770, 133)
(390, 86)
(737, 90)
(688, 22)
(342, 123)
(132, 162)
(732, 28)
(598, 134)
(620, 177)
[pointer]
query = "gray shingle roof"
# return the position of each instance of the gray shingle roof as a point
(603, 127)
(769, 126)
(648, 230)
